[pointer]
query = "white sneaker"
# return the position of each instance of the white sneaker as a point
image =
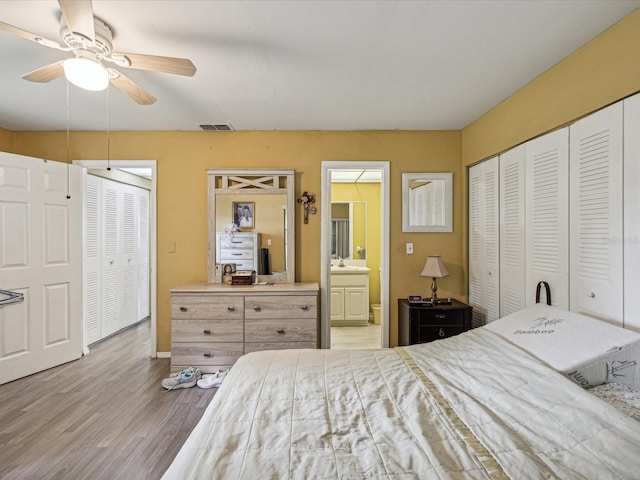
(183, 379)
(212, 380)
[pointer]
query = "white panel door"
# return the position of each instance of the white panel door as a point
(596, 214)
(40, 257)
(512, 231)
(632, 212)
(484, 251)
(547, 213)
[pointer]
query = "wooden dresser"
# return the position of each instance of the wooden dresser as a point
(213, 324)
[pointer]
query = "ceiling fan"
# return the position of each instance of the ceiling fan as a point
(90, 40)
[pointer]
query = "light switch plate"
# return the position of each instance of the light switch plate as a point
(409, 248)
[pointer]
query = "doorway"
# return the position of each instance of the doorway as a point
(359, 254)
(150, 167)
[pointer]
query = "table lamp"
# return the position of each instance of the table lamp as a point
(434, 268)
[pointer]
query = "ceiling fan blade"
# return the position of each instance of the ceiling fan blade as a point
(29, 36)
(45, 74)
(178, 66)
(79, 17)
(130, 88)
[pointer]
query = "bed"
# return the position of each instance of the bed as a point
(474, 406)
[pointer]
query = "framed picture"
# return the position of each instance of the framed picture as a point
(244, 214)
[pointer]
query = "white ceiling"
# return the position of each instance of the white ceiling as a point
(302, 65)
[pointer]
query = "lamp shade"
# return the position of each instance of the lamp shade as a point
(86, 74)
(434, 267)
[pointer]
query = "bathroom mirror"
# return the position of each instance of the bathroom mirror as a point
(349, 230)
(427, 202)
(269, 197)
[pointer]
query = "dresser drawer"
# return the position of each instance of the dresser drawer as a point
(303, 306)
(207, 331)
(280, 330)
(244, 243)
(206, 353)
(209, 307)
(232, 255)
(259, 347)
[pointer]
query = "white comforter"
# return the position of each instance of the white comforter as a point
(472, 406)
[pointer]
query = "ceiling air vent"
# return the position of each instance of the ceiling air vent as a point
(218, 127)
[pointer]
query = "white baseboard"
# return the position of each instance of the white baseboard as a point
(163, 354)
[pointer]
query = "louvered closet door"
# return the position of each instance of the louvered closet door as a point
(512, 231)
(128, 260)
(547, 213)
(632, 212)
(143, 253)
(111, 272)
(92, 259)
(484, 271)
(596, 214)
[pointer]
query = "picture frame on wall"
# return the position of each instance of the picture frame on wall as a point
(243, 214)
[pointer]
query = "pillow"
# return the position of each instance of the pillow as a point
(588, 351)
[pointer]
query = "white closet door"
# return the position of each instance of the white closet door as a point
(484, 271)
(128, 260)
(111, 277)
(596, 214)
(512, 231)
(547, 212)
(632, 212)
(143, 254)
(92, 259)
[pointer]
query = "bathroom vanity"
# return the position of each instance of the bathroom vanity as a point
(349, 295)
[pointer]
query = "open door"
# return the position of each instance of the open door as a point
(40, 258)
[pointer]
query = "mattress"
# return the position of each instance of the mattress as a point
(473, 406)
(588, 351)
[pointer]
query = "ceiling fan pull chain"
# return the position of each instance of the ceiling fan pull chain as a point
(108, 128)
(68, 156)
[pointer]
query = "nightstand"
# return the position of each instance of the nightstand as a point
(420, 323)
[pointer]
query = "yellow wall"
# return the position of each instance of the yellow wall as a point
(600, 73)
(6, 140)
(183, 158)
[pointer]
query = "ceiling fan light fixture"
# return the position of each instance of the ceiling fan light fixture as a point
(86, 74)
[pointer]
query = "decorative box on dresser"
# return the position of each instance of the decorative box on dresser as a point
(212, 324)
(421, 323)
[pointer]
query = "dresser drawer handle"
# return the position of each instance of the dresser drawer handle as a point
(231, 309)
(440, 315)
(208, 355)
(257, 309)
(207, 332)
(441, 333)
(304, 307)
(280, 332)
(183, 309)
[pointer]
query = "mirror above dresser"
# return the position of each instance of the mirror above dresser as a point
(251, 223)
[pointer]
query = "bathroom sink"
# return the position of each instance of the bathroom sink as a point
(348, 269)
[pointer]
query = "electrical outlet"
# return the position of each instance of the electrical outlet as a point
(409, 248)
(269, 242)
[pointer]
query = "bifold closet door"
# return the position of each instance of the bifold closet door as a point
(111, 253)
(547, 213)
(143, 253)
(484, 252)
(512, 231)
(93, 259)
(632, 212)
(596, 215)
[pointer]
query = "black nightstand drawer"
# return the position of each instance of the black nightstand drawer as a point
(420, 322)
(440, 317)
(428, 333)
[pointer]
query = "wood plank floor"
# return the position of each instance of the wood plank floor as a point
(105, 416)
